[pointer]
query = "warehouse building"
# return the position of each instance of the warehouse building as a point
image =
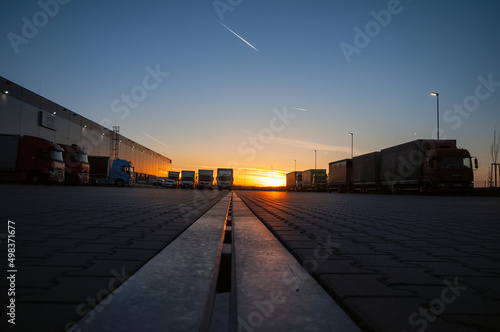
(23, 112)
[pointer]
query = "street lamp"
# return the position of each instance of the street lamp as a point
(352, 142)
(437, 96)
(314, 159)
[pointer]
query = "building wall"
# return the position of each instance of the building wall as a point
(20, 114)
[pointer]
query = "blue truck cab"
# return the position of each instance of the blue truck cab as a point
(118, 172)
(122, 172)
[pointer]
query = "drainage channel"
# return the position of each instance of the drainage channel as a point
(226, 272)
(185, 287)
(224, 307)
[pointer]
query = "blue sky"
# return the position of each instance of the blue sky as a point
(220, 94)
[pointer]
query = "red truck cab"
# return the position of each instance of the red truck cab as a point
(77, 164)
(450, 169)
(30, 159)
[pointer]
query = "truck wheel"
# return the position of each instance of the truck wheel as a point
(120, 183)
(424, 189)
(34, 177)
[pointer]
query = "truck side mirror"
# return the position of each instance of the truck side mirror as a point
(475, 163)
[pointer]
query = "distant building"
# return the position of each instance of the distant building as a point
(23, 112)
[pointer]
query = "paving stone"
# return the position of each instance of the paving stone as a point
(377, 259)
(107, 268)
(381, 314)
(455, 298)
(451, 269)
(406, 275)
(339, 267)
(130, 254)
(490, 286)
(480, 322)
(365, 285)
(405, 243)
(90, 247)
(29, 317)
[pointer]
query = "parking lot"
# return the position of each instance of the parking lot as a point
(393, 263)
(75, 245)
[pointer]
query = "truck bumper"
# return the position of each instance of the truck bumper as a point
(56, 176)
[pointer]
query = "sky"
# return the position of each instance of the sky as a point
(259, 85)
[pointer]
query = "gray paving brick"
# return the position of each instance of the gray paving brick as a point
(383, 314)
(360, 285)
(407, 244)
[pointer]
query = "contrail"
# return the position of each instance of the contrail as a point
(301, 109)
(154, 139)
(238, 36)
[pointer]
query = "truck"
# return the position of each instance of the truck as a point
(175, 177)
(294, 181)
(427, 165)
(314, 180)
(188, 179)
(366, 172)
(225, 178)
(340, 175)
(30, 159)
(205, 179)
(77, 164)
(104, 171)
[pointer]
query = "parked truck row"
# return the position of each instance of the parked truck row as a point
(424, 165)
(30, 159)
(201, 179)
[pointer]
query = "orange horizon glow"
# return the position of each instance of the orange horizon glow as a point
(259, 178)
(254, 177)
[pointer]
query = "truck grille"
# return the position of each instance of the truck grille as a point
(59, 176)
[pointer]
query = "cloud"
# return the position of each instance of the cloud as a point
(305, 144)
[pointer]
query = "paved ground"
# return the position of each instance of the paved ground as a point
(74, 245)
(396, 263)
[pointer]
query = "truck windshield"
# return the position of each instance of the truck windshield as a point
(455, 162)
(205, 178)
(224, 178)
(56, 155)
(187, 178)
(127, 169)
(83, 158)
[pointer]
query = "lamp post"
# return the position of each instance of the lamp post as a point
(352, 142)
(314, 159)
(295, 160)
(437, 96)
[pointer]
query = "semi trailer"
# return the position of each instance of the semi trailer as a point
(340, 175)
(427, 165)
(294, 181)
(30, 159)
(366, 172)
(422, 165)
